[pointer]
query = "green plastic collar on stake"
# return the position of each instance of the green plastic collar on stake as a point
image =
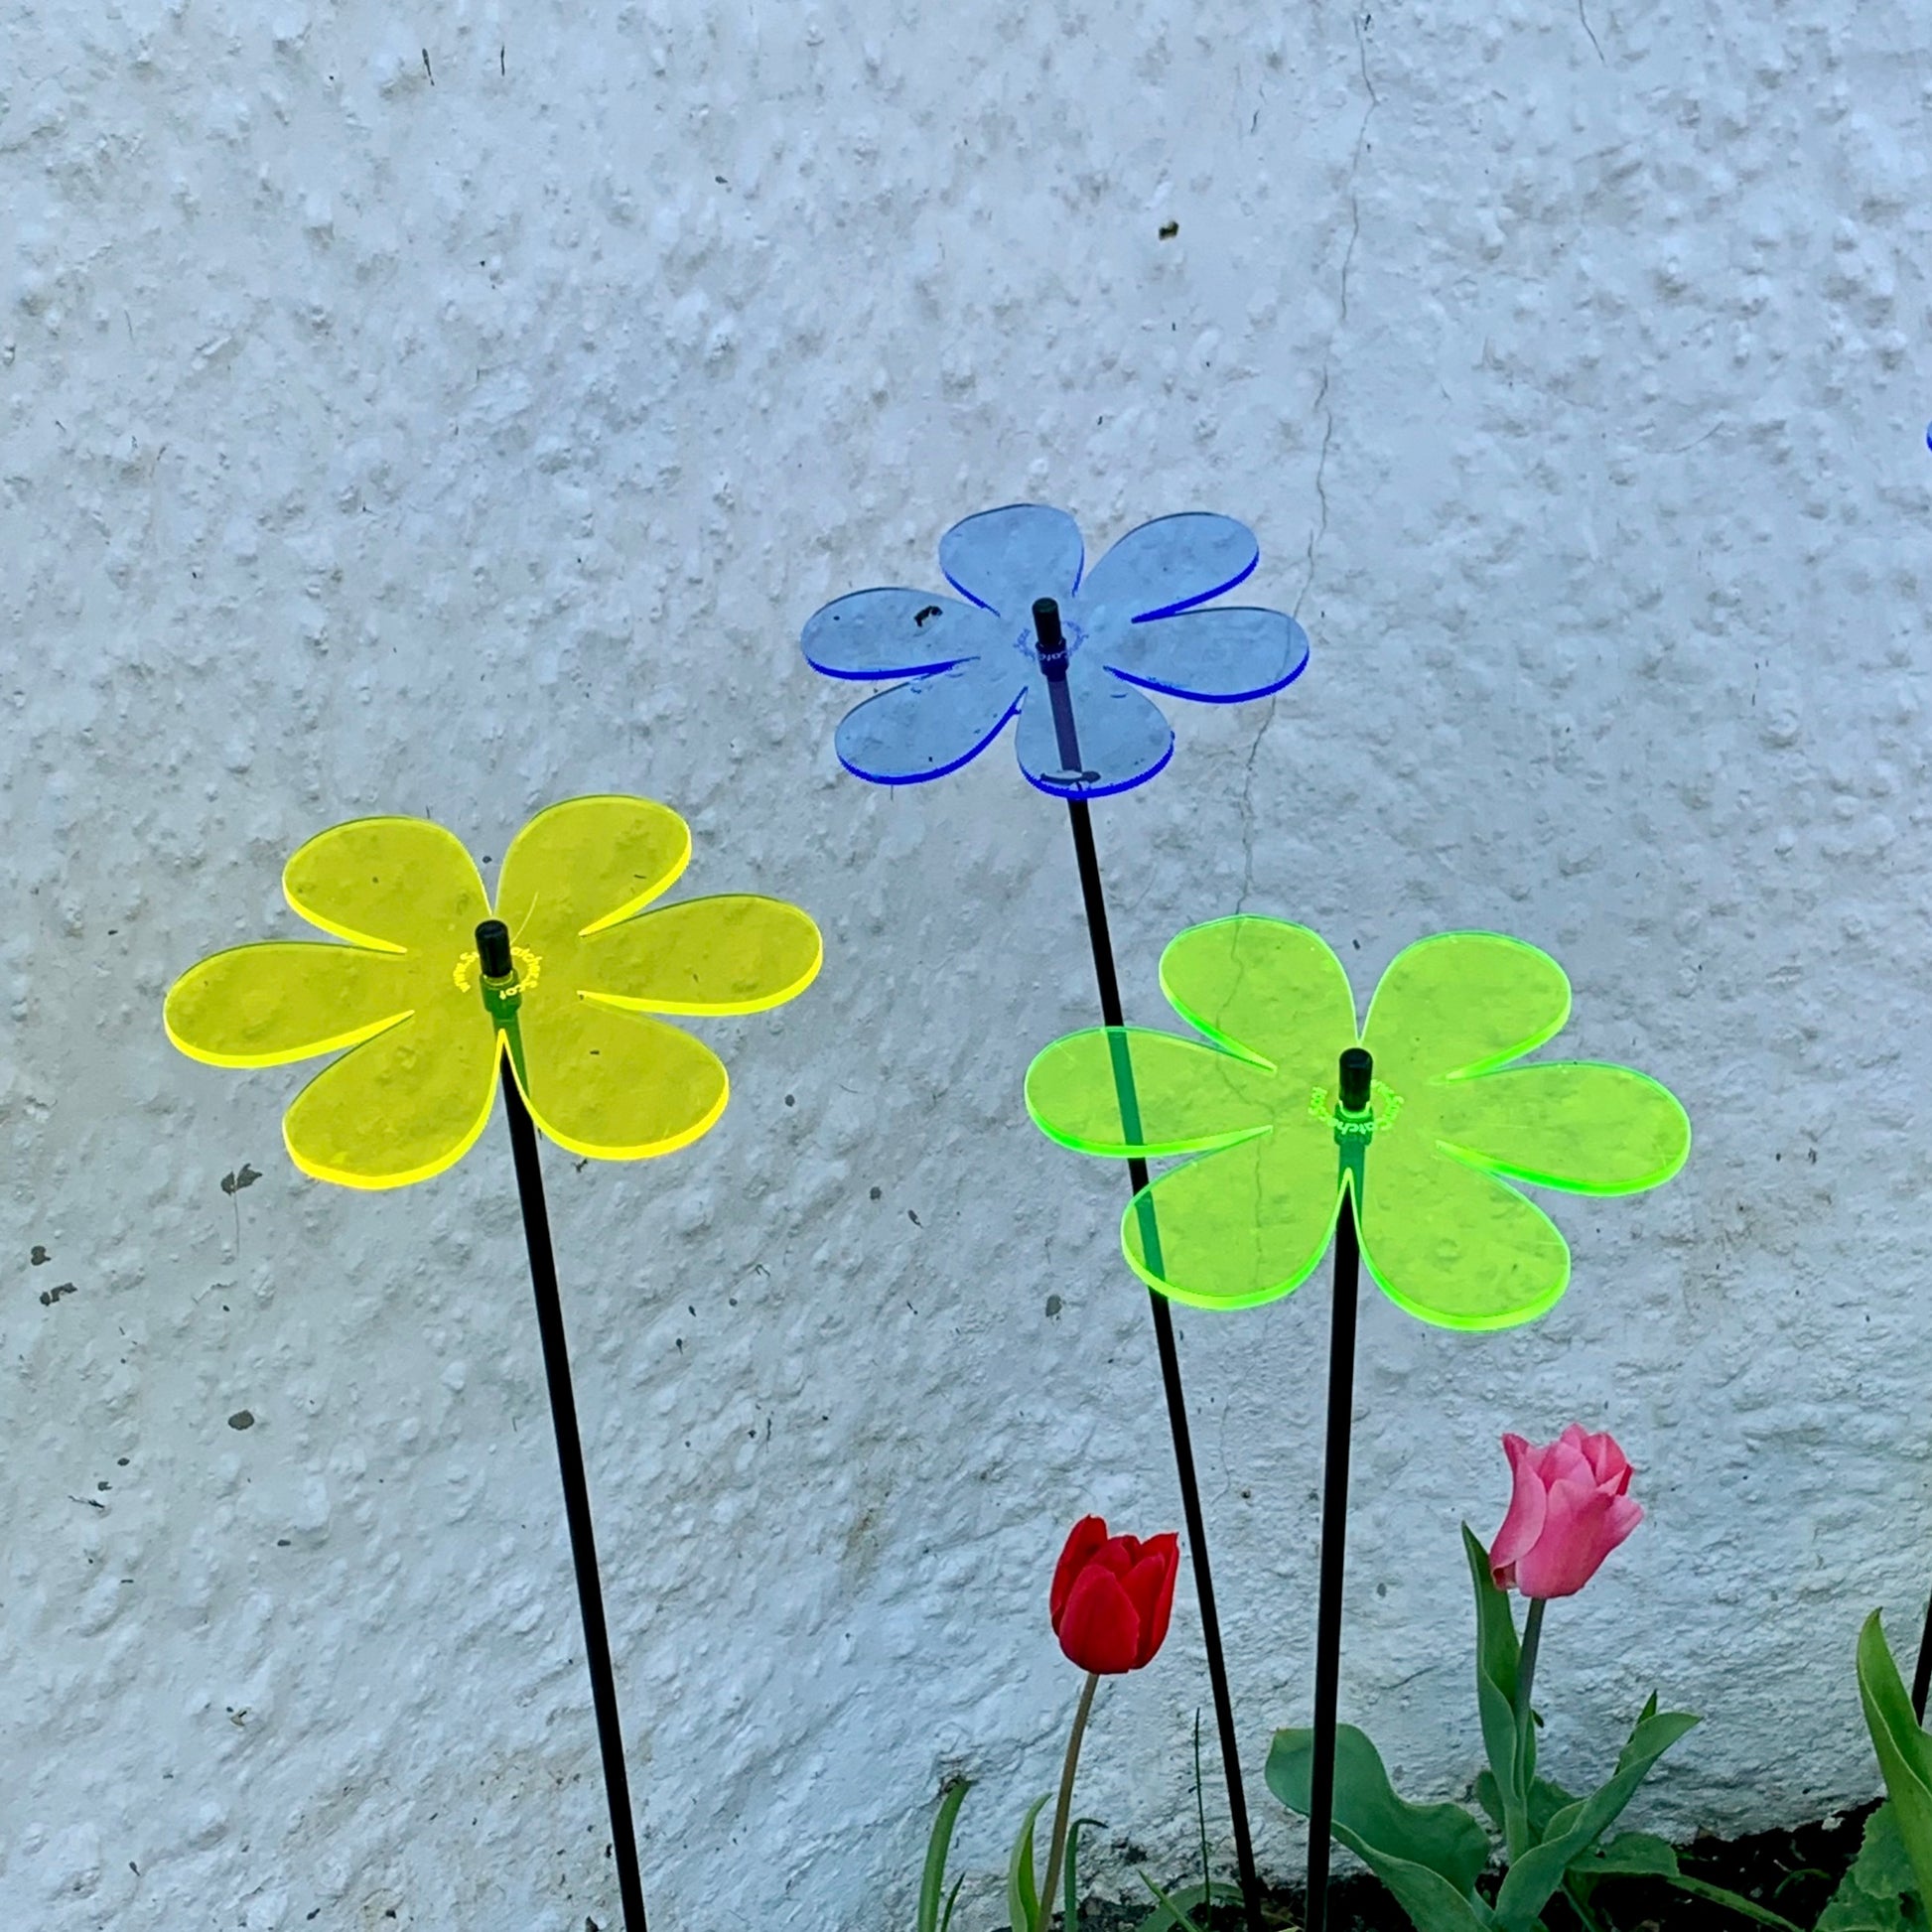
(1448, 1128)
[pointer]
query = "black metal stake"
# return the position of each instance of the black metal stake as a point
(497, 965)
(1052, 659)
(1352, 1117)
(1922, 1672)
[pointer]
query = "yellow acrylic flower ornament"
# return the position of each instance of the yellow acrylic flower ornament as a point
(602, 1074)
(1435, 1160)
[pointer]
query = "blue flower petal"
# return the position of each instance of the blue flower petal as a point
(1220, 657)
(1123, 738)
(933, 726)
(1166, 566)
(1006, 558)
(896, 633)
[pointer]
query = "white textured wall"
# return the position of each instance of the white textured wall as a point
(452, 434)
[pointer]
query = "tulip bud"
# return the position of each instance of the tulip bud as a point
(1112, 1597)
(1568, 1510)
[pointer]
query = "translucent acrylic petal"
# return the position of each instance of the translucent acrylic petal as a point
(897, 633)
(1268, 989)
(1574, 1124)
(1239, 1227)
(1124, 738)
(402, 1107)
(1226, 655)
(1006, 558)
(396, 884)
(1461, 1003)
(1452, 1245)
(1122, 1090)
(287, 1000)
(615, 1085)
(933, 726)
(735, 953)
(586, 863)
(1169, 564)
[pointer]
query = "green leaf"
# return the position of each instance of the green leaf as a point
(1630, 1854)
(1072, 1864)
(939, 1846)
(1575, 1829)
(1498, 1659)
(1169, 1914)
(1744, 1907)
(1162, 1918)
(1444, 1838)
(1022, 1899)
(952, 1899)
(1547, 1799)
(1905, 1750)
(1639, 1855)
(1490, 1798)
(1873, 1895)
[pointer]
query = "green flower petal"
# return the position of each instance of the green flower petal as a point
(1576, 1124)
(1266, 989)
(586, 863)
(1238, 1227)
(1461, 1003)
(615, 1085)
(1451, 1244)
(405, 1106)
(1127, 1091)
(399, 884)
(734, 953)
(287, 1000)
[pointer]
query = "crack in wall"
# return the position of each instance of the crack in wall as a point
(1584, 18)
(1320, 529)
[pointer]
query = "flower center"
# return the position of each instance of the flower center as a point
(1384, 1105)
(529, 968)
(1027, 641)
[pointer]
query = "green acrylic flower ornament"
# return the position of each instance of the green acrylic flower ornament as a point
(1452, 1130)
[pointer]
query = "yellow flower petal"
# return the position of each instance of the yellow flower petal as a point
(586, 864)
(399, 884)
(402, 1107)
(735, 953)
(612, 1084)
(288, 1000)
(1451, 1244)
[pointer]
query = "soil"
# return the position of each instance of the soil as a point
(1793, 1872)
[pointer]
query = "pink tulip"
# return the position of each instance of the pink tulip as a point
(1567, 1512)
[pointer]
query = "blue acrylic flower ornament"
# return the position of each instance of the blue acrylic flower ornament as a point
(1132, 624)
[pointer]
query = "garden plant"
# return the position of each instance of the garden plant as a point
(1570, 1507)
(1403, 1141)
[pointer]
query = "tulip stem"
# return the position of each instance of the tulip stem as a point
(1057, 1848)
(1051, 644)
(1525, 1717)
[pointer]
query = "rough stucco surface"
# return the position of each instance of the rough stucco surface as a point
(450, 411)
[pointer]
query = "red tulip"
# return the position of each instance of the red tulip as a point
(1112, 1597)
(1569, 1509)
